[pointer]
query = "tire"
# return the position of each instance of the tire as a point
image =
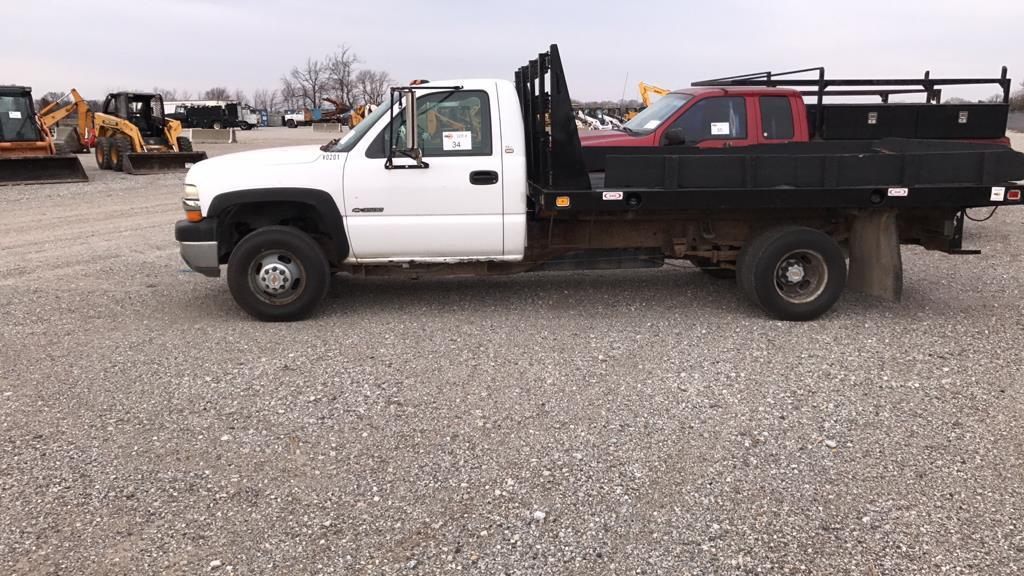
(120, 147)
(792, 273)
(245, 126)
(263, 270)
(184, 144)
(217, 125)
(102, 150)
(290, 123)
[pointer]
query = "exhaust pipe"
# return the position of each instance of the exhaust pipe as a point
(41, 170)
(161, 162)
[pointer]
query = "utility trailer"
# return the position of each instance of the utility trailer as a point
(490, 177)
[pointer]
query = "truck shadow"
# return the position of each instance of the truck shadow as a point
(678, 290)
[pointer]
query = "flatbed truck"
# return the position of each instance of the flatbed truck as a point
(490, 177)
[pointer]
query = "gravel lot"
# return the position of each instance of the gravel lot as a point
(597, 423)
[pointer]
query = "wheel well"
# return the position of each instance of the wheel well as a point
(239, 220)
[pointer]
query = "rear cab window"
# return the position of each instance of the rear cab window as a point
(776, 118)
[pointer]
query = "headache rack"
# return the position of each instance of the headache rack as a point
(882, 87)
(821, 86)
(555, 158)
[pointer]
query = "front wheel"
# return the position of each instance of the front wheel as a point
(184, 144)
(792, 273)
(102, 150)
(290, 123)
(278, 273)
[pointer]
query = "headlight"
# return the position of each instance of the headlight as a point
(190, 202)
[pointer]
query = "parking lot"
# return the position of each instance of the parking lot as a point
(626, 422)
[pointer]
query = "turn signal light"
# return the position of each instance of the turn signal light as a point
(1013, 195)
(194, 216)
(562, 201)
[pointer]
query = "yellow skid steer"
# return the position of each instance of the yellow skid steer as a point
(133, 136)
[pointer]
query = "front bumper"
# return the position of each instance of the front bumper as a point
(199, 245)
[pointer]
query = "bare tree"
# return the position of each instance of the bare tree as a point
(46, 99)
(289, 94)
(240, 97)
(217, 93)
(266, 100)
(306, 84)
(372, 85)
(340, 71)
(169, 94)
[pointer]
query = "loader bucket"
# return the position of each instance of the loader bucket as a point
(41, 170)
(161, 162)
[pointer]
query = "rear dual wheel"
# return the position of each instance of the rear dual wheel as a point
(792, 272)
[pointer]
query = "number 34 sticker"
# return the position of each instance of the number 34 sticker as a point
(457, 140)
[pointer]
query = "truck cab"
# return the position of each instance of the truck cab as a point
(465, 201)
(713, 118)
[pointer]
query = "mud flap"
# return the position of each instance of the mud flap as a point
(41, 170)
(161, 162)
(876, 265)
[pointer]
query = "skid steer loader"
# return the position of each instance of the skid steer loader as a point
(134, 137)
(27, 153)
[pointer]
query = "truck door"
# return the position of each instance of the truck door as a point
(715, 122)
(451, 210)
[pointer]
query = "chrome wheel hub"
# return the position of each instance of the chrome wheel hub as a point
(801, 276)
(276, 277)
(793, 272)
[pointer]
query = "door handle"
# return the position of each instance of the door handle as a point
(483, 177)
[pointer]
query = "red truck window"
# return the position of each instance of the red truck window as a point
(776, 118)
(718, 118)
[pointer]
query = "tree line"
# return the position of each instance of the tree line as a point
(336, 76)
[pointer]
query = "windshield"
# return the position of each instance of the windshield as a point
(647, 121)
(349, 141)
(17, 121)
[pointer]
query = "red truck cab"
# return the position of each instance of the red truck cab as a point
(714, 118)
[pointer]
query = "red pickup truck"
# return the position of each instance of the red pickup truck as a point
(755, 109)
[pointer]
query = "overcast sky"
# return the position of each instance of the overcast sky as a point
(100, 46)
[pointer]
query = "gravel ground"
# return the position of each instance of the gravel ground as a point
(595, 423)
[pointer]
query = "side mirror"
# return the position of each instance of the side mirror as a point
(411, 149)
(674, 137)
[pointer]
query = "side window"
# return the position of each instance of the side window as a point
(776, 118)
(718, 118)
(449, 123)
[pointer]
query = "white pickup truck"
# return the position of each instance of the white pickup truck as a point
(489, 176)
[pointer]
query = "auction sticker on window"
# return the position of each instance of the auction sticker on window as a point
(720, 129)
(457, 140)
(14, 114)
